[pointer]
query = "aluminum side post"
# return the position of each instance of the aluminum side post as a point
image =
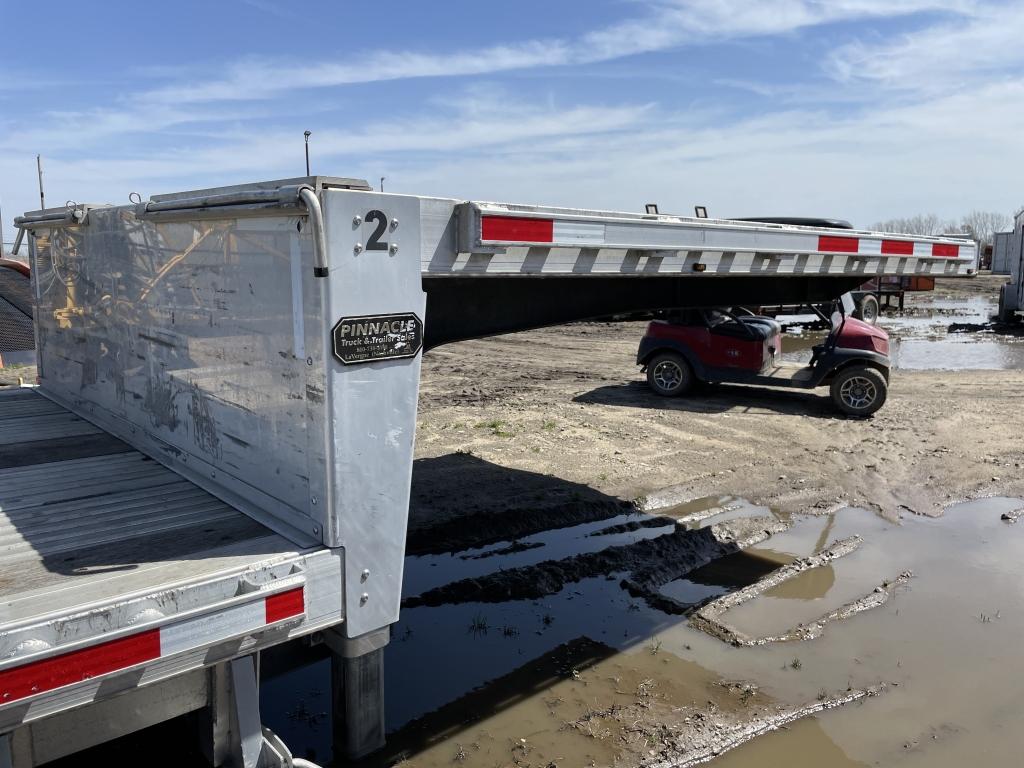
(374, 310)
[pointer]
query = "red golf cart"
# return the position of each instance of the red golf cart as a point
(716, 345)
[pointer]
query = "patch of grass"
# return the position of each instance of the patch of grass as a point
(478, 626)
(497, 427)
(796, 664)
(655, 646)
(547, 619)
(549, 425)
(509, 631)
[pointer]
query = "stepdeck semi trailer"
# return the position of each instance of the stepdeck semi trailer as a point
(217, 456)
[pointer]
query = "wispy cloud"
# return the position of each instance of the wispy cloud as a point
(943, 57)
(280, 10)
(665, 24)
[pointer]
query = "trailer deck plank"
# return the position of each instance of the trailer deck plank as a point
(84, 518)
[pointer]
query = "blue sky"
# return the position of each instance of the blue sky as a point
(862, 109)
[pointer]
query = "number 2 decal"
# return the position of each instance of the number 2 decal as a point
(374, 243)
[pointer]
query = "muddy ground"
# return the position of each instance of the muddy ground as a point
(567, 526)
(570, 402)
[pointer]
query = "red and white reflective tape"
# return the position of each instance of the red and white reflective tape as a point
(871, 247)
(76, 666)
(528, 230)
(522, 229)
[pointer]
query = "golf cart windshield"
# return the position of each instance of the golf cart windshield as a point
(842, 309)
(846, 301)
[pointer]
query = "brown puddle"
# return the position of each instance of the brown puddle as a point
(804, 744)
(935, 334)
(591, 675)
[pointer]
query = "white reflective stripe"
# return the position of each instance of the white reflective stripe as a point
(922, 249)
(200, 630)
(578, 232)
(870, 247)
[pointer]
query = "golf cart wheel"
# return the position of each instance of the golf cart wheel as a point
(859, 391)
(669, 374)
(868, 309)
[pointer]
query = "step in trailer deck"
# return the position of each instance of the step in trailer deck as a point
(218, 455)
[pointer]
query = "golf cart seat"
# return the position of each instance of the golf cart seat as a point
(772, 326)
(742, 330)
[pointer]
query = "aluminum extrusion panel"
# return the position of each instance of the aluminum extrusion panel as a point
(198, 341)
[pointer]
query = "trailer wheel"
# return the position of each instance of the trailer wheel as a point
(868, 308)
(669, 374)
(859, 391)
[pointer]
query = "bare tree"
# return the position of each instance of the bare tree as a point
(921, 224)
(982, 225)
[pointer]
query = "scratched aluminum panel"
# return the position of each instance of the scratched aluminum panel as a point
(372, 405)
(198, 341)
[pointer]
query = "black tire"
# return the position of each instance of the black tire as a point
(669, 374)
(859, 390)
(868, 308)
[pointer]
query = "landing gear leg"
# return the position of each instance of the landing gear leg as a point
(357, 690)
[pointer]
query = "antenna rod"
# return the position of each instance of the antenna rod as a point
(39, 168)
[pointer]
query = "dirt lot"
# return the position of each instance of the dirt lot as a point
(570, 402)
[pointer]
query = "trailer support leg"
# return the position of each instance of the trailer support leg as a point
(357, 689)
(235, 733)
(245, 702)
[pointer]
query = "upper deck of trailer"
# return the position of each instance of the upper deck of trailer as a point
(471, 238)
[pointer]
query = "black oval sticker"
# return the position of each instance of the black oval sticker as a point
(377, 337)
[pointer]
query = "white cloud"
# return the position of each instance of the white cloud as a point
(667, 24)
(942, 57)
(884, 162)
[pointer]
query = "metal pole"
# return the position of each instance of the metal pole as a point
(307, 134)
(382, 183)
(39, 169)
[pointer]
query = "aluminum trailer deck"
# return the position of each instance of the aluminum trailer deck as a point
(116, 574)
(258, 348)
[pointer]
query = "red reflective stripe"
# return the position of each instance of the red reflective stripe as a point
(285, 605)
(837, 244)
(942, 249)
(513, 228)
(898, 247)
(76, 666)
